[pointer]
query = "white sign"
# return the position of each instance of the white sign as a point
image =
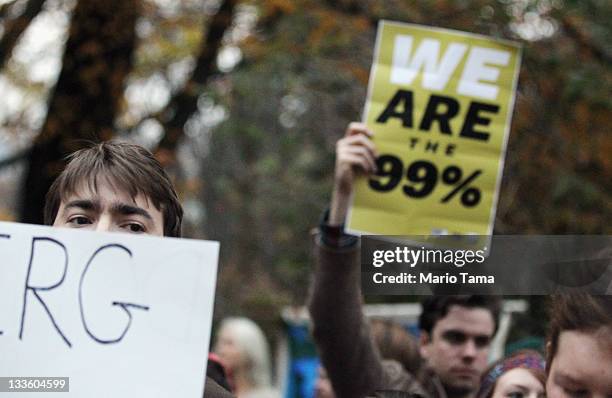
(120, 315)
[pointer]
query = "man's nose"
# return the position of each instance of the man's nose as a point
(469, 349)
(104, 224)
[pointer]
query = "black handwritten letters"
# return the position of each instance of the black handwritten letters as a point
(47, 252)
(122, 315)
(34, 290)
(124, 306)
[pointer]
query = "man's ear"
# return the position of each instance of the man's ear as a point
(424, 342)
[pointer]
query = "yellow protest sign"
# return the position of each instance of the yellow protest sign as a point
(440, 103)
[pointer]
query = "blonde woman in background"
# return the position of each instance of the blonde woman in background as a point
(244, 351)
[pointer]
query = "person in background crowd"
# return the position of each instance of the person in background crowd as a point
(118, 187)
(393, 342)
(216, 371)
(456, 331)
(520, 375)
(579, 347)
(243, 349)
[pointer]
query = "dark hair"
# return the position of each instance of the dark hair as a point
(394, 342)
(435, 308)
(576, 311)
(127, 167)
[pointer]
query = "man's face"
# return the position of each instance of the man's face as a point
(582, 366)
(458, 347)
(109, 210)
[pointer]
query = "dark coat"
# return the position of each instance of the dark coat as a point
(214, 390)
(347, 352)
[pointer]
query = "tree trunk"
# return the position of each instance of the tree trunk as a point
(83, 106)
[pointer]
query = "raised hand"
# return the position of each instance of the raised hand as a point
(355, 155)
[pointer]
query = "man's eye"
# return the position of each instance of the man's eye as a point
(576, 393)
(455, 338)
(79, 220)
(515, 394)
(482, 341)
(135, 228)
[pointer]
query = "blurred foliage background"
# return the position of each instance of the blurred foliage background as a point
(242, 101)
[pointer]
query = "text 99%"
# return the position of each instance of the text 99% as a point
(423, 178)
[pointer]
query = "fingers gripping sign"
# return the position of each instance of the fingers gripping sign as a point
(355, 156)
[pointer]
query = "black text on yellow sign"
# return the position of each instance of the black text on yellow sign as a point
(439, 102)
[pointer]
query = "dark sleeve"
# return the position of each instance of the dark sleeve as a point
(214, 390)
(342, 337)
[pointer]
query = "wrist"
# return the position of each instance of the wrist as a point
(333, 234)
(338, 207)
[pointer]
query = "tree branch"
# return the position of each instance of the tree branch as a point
(185, 102)
(5, 7)
(352, 8)
(581, 38)
(16, 27)
(14, 158)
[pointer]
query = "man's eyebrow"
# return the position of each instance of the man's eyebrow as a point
(125, 209)
(467, 334)
(454, 331)
(84, 204)
(566, 379)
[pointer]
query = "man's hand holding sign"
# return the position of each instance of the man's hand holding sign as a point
(355, 156)
(440, 103)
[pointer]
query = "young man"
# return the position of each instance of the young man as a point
(118, 187)
(455, 330)
(579, 348)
